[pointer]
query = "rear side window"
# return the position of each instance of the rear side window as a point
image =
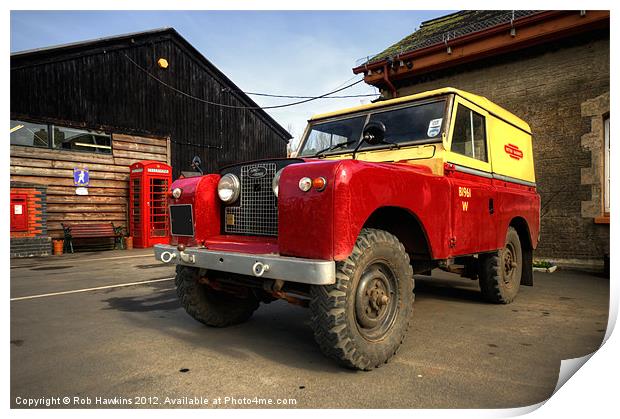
(469, 137)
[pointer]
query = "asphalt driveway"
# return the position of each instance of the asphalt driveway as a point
(99, 345)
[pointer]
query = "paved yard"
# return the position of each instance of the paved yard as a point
(136, 341)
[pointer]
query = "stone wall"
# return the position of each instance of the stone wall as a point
(546, 86)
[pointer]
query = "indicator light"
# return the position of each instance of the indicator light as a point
(319, 183)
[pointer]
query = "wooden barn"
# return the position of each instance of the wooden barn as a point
(107, 103)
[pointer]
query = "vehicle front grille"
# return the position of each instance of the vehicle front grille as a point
(257, 211)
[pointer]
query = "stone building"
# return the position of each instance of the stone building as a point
(550, 68)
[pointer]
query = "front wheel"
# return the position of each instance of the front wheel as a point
(500, 272)
(362, 319)
(209, 306)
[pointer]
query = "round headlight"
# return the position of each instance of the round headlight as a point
(275, 183)
(228, 188)
(176, 193)
(305, 183)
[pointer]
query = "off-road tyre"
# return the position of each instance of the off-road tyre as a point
(500, 272)
(340, 329)
(208, 306)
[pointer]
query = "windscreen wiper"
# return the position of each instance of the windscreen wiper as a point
(334, 147)
(393, 146)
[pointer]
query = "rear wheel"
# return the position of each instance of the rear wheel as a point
(209, 306)
(361, 320)
(500, 272)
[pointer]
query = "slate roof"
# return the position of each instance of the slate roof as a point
(442, 29)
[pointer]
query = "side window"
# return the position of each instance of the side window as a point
(469, 137)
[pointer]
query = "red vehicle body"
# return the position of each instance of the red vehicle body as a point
(443, 179)
(338, 214)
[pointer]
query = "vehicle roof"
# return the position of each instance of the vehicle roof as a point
(481, 101)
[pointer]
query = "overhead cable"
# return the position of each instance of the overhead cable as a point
(223, 105)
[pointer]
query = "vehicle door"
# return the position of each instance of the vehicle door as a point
(472, 217)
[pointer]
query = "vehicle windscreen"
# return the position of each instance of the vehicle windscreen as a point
(329, 134)
(417, 123)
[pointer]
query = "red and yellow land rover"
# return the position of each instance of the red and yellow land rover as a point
(378, 193)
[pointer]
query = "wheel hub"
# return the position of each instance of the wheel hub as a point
(377, 298)
(375, 306)
(509, 262)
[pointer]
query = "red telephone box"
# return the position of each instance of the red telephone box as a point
(149, 221)
(19, 212)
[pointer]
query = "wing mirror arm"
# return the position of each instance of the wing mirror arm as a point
(373, 134)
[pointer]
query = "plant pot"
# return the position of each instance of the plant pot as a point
(58, 246)
(128, 243)
(550, 269)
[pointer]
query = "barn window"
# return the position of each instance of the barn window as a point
(33, 134)
(29, 134)
(82, 140)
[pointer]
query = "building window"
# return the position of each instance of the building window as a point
(81, 140)
(31, 134)
(469, 136)
(606, 186)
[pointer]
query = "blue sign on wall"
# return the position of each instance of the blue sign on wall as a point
(80, 176)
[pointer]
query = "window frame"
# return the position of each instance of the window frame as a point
(50, 136)
(606, 166)
(461, 159)
(368, 113)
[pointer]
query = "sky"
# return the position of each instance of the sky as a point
(305, 53)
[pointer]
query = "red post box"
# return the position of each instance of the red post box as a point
(19, 212)
(149, 221)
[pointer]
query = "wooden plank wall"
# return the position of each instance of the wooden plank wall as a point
(108, 193)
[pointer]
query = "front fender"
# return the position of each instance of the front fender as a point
(201, 193)
(325, 225)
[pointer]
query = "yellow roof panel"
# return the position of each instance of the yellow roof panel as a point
(481, 101)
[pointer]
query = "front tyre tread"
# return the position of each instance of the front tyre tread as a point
(333, 316)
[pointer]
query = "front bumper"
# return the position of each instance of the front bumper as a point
(272, 266)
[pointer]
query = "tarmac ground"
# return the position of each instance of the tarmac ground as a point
(81, 335)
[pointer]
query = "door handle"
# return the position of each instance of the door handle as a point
(491, 206)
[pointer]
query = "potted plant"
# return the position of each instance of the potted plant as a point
(128, 242)
(544, 266)
(58, 246)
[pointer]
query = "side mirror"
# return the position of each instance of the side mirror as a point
(374, 133)
(196, 162)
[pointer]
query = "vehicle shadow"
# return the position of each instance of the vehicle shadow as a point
(277, 331)
(452, 289)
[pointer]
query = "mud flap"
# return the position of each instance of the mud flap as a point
(527, 274)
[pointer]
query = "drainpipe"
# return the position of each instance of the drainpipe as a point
(387, 81)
